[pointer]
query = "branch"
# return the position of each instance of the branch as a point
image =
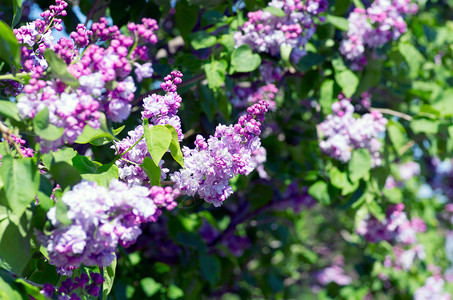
(392, 112)
(6, 134)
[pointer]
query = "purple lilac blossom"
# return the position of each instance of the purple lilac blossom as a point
(334, 273)
(404, 259)
(159, 110)
(373, 27)
(343, 133)
(266, 33)
(396, 227)
(235, 243)
(243, 96)
(101, 219)
(209, 167)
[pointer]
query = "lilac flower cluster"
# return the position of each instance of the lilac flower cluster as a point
(160, 110)
(396, 227)
(433, 289)
(343, 133)
(404, 258)
(269, 72)
(71, 289)
(37, 35)
(27, 152)
(373, 27)
(101, 219)
(104, 73)
(334, 273)
(406, 171)
(244, 97)
(209, 167)
(266, 33)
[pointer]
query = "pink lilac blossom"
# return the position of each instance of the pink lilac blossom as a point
(101, 219)
(396, 227)
(257, 160)
(404, 259)
(159, 110)
(266, 33)
(209, 167)
(343, 133)
(432, 290)
(243, 97)
(373, 27)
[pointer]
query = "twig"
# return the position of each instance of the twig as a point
(406, 147)
(392, 112)
(190, 81)
(91, 12)
(6, 134)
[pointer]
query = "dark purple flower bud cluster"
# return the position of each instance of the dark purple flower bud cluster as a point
(28, 152)
(159, 110)
(343, 133)
(74, 289)
(101, 219)
(373, 27)
(209, 167)
(265, 32)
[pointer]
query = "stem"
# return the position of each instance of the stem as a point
(393, 113)
(118, 156)
(15, 77)
(406, 147)
(6, 134)
(129, 161)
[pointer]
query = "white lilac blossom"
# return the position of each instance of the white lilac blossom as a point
(264, 32)
(373, 27)
(159, 110)
(432, 290)
(343, 133)
(101, 219)
(334, 273)
(209, 167)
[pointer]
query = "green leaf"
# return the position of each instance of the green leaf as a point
(275, 11)
(360, 164)
(174, 292)
(158, 139)
(215, 73)
(201, 39)
(96, 136)
(227, 41)
(9, 47)
(186, 17)
(21, 182)
(210, 268)
(424, 126)
(65, 174)
(8, 288)
(152, 170)
(15, 248)
(285, 51)
(17, 6)
(150, 286)
(413, 58)
(65, 154)
(394, 195)
(109, 276)
(103, 175)
(83, 164)
(118, 130)
(44, 129)
(243, 60)
(9, 109)
(397, 134)
(320, 191)
(338, 22)
(310, 60)
(62, 213)
(348, 82)
(175, 148)
(59, 69)
(326, 96)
